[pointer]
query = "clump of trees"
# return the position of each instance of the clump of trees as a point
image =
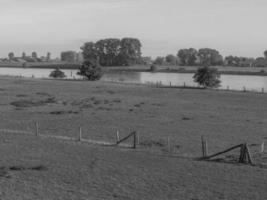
(57, 73)
(202, 57)
(207, 77)
(68, 56)
(187, 57)
(114, 52)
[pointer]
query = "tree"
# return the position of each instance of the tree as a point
(34, 55)
(48, 56)
(91, 70)
(265, 54)
(207, 77)
(108, 51)
(260, 62)
(130, 52)
(57, 73)
(23, 55)
(209, 57)
(187, 57)
(171, 59)
(11, 56)
(68, 56)
(90, 51)
(159, 60)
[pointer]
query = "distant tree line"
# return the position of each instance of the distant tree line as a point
(209, 57)
(113, 52)
(24, 58)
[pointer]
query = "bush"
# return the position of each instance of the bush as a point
(91, 70)
(57, 74)
(207, 77)
(153, 68)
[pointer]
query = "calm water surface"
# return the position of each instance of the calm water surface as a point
(234, 82)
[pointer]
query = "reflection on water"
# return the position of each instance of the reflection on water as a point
(233, 82)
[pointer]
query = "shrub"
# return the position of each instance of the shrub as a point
(153, 68)
(57, 73)
(207, 77)
(91, 70)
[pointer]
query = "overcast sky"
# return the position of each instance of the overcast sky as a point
(235, 27)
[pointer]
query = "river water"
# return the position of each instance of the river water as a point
(233, 82)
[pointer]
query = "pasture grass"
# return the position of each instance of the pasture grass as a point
(74, 170)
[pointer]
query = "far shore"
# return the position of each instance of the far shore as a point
(256, 71)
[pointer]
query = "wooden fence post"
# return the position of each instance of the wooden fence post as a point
(36, 129)
(118, 136)
(80, 134)
(170, 84)
(134, 141)
(169, 144)
(262, 90)
(138, 138)
(184, 85)
(244, 88)
(262, 148)
(204, 147)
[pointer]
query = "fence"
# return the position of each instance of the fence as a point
(134, 140)
(159, 84)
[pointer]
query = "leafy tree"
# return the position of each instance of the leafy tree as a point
(260, 62)
(90, 52)
(207, 77)
(68, 56)
(130, 52)
(187, 57)
(48, 56)
(209, 57)
(91, 70)
(34, 55)
(159, 60)
(11, 56)
(108, 51)
(171, 59)
(57, 73)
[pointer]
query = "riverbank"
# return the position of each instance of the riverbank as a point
(257, 71)
(77, 171)
(191, 69)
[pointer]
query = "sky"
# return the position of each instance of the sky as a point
(234, 27)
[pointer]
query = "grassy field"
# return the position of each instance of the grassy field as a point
(43, 168)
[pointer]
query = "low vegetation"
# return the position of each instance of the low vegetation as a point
(57, 73)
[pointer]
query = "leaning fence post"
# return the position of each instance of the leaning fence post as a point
(80, 134)
(36, 129)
